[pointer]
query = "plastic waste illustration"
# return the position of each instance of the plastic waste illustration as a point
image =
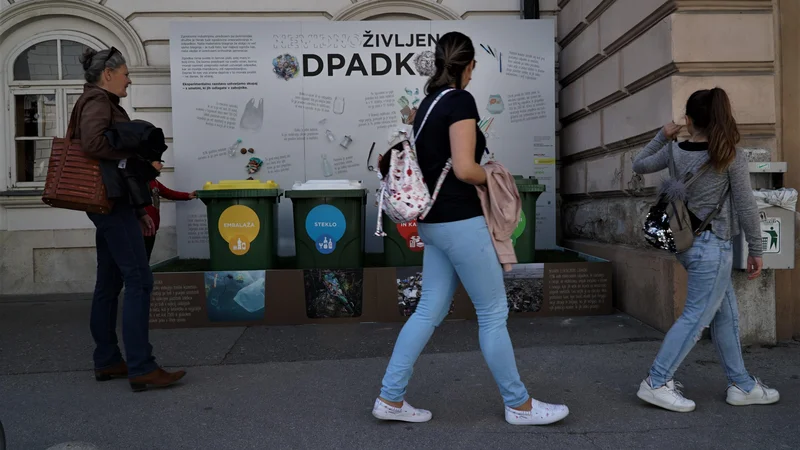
(254, 165)
(285, 66)
(334, 289)
(425, 63)
(495, 105)
(251, 298)
(253, 116)
(338, 105)
(232, 148)
(403, 101)
(327, 169)
(330, 136)
(346, 142)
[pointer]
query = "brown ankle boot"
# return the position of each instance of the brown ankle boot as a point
(116, 371)
(158, 378)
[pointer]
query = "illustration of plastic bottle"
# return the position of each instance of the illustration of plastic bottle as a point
(232, 149)
(338, 105)
(330, 136)
(327, 169)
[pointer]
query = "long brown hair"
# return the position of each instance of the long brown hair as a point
(711, 114)
(454, 52)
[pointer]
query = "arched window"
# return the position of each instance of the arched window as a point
(46, 79)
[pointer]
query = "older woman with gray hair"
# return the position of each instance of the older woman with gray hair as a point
(121, 255)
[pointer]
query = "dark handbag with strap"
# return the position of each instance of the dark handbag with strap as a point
(668, 225)
(74, 179)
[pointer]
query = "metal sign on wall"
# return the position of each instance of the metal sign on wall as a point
(294, 101)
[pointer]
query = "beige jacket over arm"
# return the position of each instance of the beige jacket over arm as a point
(501, 207)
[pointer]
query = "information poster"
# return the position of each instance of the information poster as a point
(298, 101)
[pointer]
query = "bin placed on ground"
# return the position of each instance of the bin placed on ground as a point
(329, 223)
(524, 236)
(402, 246)
(242, 224)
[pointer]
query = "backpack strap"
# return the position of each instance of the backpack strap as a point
(448, 165)
(690, 178)
(428, 113)
(713, 214)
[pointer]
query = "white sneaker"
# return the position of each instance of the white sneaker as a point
(407, 413)
(760, 395)
(668, 396)
(541, 414)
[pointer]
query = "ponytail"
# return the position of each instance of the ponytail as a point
(722, 132)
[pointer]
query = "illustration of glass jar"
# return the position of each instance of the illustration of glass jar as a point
(327, 169)
(338, 105)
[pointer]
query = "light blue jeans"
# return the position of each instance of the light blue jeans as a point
(710, 301)
(458, 250)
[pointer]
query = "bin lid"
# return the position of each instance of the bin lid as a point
(327, 188)
(239, 188)
(240, 184)
(529, 184)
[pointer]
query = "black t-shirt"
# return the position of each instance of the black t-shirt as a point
(457, 200)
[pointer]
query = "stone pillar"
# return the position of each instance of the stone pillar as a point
(628, 67)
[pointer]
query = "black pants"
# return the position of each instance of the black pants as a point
(121, 260)
(149, 243)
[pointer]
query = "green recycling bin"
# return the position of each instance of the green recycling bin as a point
(402, 246)
(524, 236)
(242, 224)
(329, 223)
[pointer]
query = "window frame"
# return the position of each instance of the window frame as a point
(61, 89)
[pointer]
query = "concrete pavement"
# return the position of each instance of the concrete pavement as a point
(313, 387)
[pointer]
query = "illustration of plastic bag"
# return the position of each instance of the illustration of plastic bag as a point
(495, 105)
(251, 298)
(253, 116)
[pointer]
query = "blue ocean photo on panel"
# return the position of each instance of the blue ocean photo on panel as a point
(235, 296)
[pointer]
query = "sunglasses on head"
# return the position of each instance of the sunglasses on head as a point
(111, 52)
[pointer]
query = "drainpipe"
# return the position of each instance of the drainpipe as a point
(529, 9)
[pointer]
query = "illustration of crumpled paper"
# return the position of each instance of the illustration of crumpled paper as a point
(251, 297)
(253, 116)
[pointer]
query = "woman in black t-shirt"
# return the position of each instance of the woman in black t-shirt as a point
(458, 245)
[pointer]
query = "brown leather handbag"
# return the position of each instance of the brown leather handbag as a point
(74, 180)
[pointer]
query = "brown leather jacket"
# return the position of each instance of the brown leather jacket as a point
(100, 109)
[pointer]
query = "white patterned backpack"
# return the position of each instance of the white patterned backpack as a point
(403, 195)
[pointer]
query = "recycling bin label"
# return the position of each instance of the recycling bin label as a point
(325, 225)
(239, 226)
(409, 232)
